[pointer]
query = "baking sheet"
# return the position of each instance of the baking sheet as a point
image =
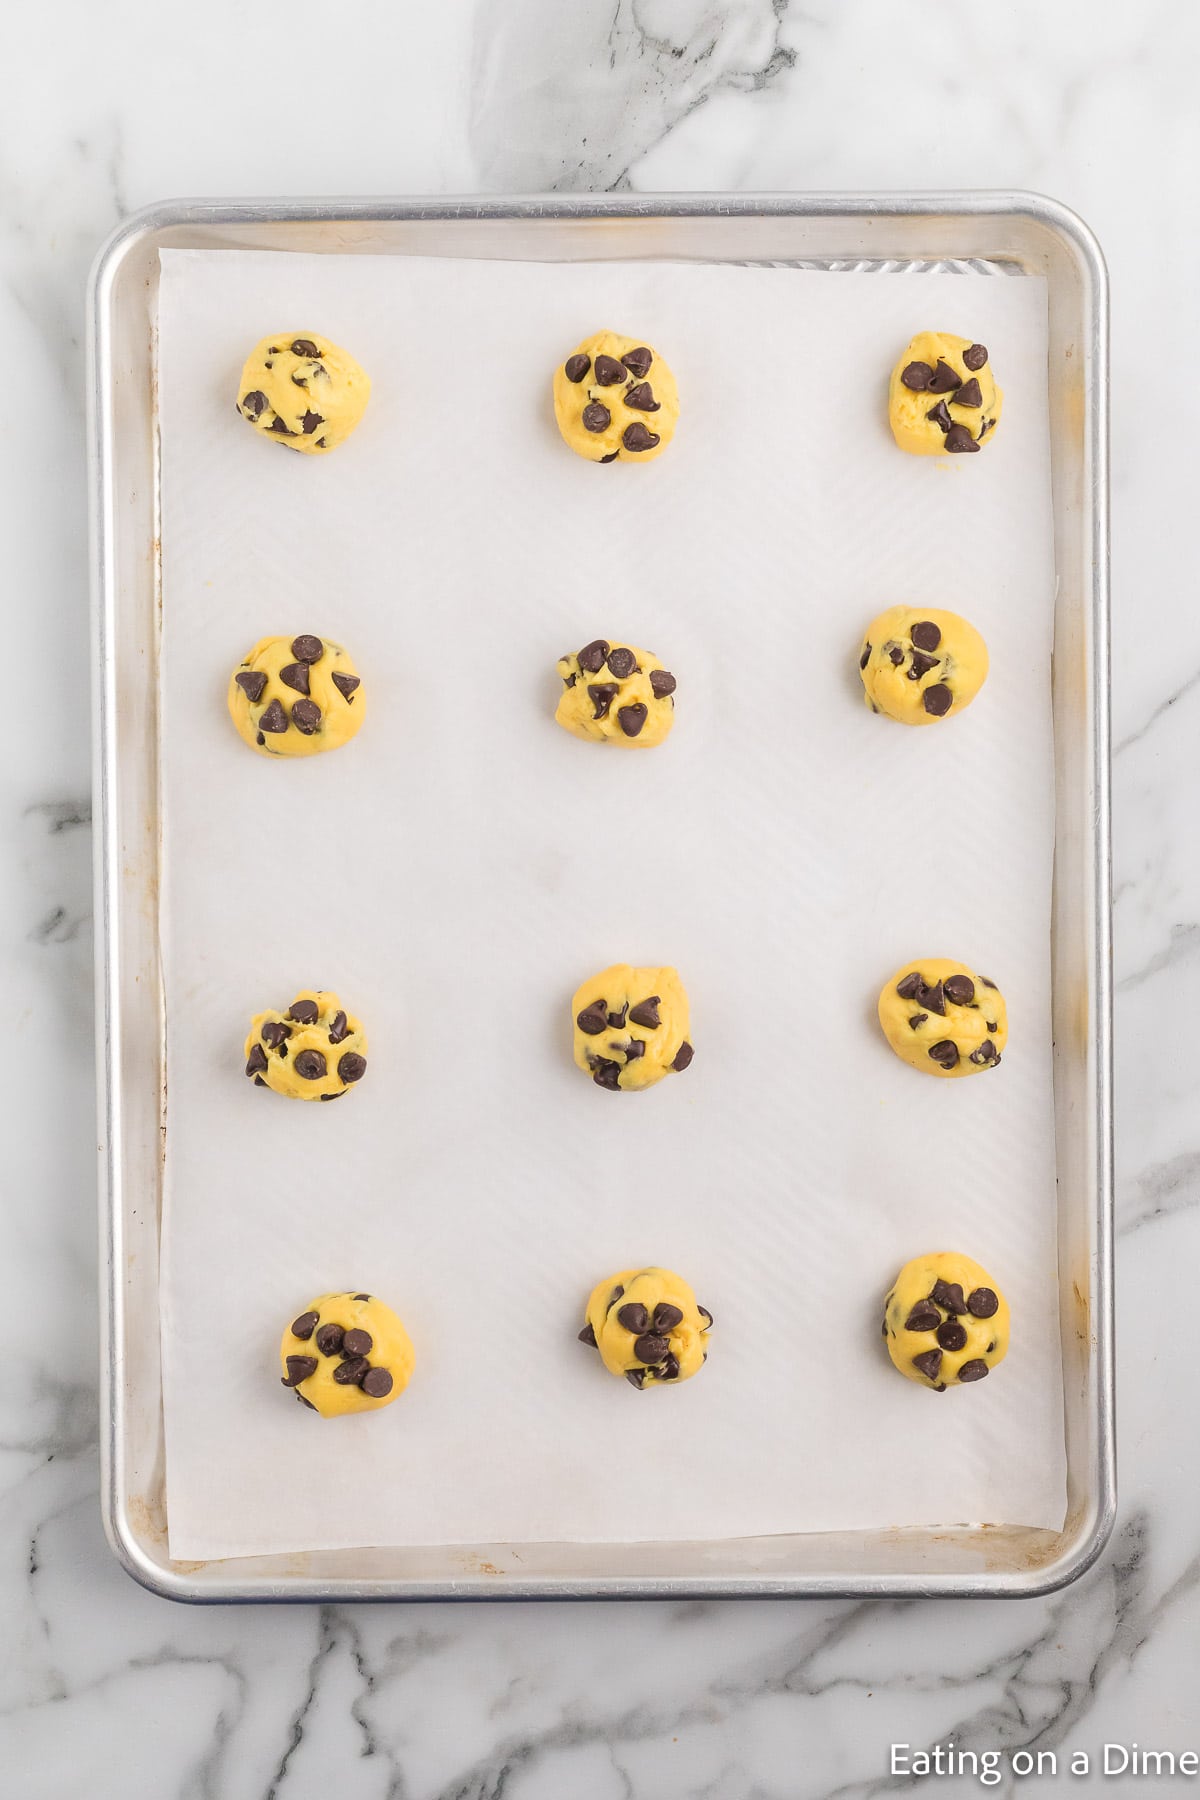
(785, 849)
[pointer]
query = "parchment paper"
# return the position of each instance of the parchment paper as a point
(456, 871)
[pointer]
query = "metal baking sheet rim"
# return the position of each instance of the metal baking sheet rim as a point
(838, 229)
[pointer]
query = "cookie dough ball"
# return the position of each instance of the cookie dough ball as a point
(942, 396)
(944, 1019)
(945, 1321)
(616, 694)
(647, 1327)
(631, 1027)
(615, 400)
(296, 696)
(918, 665)
(346, 1353)
(302, 391)
(313, 1051)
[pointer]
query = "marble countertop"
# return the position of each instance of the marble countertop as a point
(108, 1691)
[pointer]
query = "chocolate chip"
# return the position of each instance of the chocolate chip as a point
(940, 416)
(351, 1372)
(651, 1348)
(986, 426)
(910, 987)
(306, 716)
(339, 1030)
(329, 1339)
(960, 989)
(636, 437)
(357, 1343)
(633, 1049)
(895, 655)
(923, 1317)
(376, 1384)
(641, 398)
(921, 665)
(944, 379)
(636, 1377)
(918, 1019)
(925, 635)
(307, 648)
(305, 1325)
(937, 700)
(632, 718)
(638, 361)
(990, 1025)
(295, 675)
(611, 457)
(299, 1368)
(948, 1295)
(622, 663)
(706, 1316)
(345, 684)
(252, 682)
(602, 695)
(933, 998)
(959, 439)
(944, 1054)
(593, 1019)
(310, 421)
(951, 1335)
(273, 718)
(606, 1074)
(683, 1057)
(304, 1400)
(982, 1302)
(303, 1011)
(310, 1064)
(256, 1061)
(865, 658)
(570, 680)
(274, 1033)
(278, 426)
(670, 1367)
(304, 347)
(634, 1317)
(666, 1316)
(917, 376)
(616, 1020)
(362, 1296)
(577, 366)
(645, 1014)
(592, 657)
(352, 1066)
(969, 394)
(609, 371)
(975, 1370)
(662, 683)
(975, 356)
(260, 739)
(259, 1082)
(985, 1054)
(929, 1362)
(254, 404)
(587, 1335)
(988, 983)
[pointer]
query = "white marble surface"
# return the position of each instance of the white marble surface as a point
(109, 1692)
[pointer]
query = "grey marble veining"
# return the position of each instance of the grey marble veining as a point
(107, 1691)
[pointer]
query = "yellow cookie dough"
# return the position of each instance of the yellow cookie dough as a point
(631, 1027)
(296, 696)
(616, 694)
(615, 400)
(944, 1019)
(945, 1322)
(346, 1353)
(647, 1327)
(313, 1051)
(300, 390)
(918, 665)
(942, 397)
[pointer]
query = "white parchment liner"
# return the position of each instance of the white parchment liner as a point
(463, 864)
